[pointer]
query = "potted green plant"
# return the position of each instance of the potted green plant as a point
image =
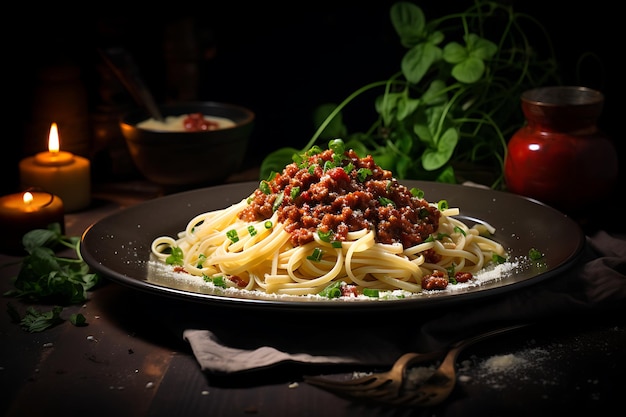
(455, 101)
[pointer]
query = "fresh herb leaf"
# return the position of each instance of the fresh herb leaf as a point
(37, 321)
(44, 276)
(78, 320)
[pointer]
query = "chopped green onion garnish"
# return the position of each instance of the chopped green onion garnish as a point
(295, 192)
(268, 224)
(251, 230)
(337, 146)
(416, 192)
(314, 150)
(451, 271)
(442, 205)
(278, 201)
(219, 281)
(325, 236)
(497, 259)
(316, 256)
(297, 158)
(439, 236)
(386, 201)
(264, 186)
(333, 290)
(232, 235)
(175, 257)
(534, 254)
(459, 230)
(371, 292)
(362, 173)
(201, 259)
(336, 244)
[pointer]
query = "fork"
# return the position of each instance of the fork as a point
(388, 387)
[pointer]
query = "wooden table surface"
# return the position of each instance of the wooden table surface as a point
(130, 360)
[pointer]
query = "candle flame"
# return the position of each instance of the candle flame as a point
(53, 139)
(28, 198)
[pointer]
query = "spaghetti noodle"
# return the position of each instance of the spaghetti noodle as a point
(335, 224)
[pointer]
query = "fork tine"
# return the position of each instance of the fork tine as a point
(376, 384)
(375, 392)
(357, 384)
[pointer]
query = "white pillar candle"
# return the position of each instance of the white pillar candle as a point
(58, 172)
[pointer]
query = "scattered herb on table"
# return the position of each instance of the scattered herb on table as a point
(46, 277)
(34, 320)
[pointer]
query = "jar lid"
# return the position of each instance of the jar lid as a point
(563, 96)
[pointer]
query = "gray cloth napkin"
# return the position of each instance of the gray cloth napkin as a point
(597, 282)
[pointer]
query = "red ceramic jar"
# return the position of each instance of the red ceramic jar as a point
(559, 156)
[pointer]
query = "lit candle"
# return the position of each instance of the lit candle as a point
(58, 172)
(23, 212)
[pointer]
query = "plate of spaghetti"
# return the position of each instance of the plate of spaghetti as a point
(333, 230)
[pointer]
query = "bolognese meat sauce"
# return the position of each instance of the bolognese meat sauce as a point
(336, 192)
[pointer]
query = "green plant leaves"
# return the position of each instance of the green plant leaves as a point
(454, 99)
(396, 106)
(469, 60)
(45, 276)
(418, 60)
(409, 22)
(435, 158)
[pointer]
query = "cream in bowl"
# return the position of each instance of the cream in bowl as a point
(192, 122)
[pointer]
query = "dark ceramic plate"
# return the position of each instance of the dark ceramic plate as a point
(118, 246)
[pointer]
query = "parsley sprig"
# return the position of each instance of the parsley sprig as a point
(48, 278)
(44, 276)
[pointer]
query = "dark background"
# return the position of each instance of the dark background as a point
(280, 60)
